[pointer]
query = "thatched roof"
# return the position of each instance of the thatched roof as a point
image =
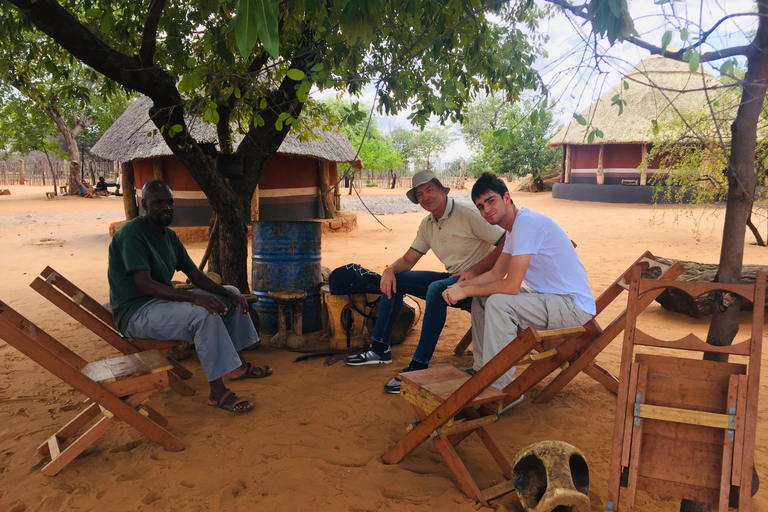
(131, 137)
(660, 89)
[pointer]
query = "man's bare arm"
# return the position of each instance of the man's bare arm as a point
(406, 262)
(510, 284)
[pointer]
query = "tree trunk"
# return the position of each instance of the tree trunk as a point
(741, 191)
(53, 174)
(326, 194)
(129, 191)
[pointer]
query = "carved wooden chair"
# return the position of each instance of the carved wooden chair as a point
(117, 389)
(686, 427)
(98, 319)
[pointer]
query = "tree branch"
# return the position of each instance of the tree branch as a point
(582, 12)
(149, 34)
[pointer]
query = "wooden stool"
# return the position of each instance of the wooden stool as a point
(62, 189)
(288, 297)
(343, 311)
(50, 195)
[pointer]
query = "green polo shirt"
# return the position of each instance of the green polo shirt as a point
(459, 239)
(136, 246)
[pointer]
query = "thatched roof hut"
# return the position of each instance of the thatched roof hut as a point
(658, 90)
(289, 188)
(134, 136)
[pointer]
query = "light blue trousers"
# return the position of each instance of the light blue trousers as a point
(217, 339)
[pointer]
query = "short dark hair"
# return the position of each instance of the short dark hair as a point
(488, 182)
(151, 188)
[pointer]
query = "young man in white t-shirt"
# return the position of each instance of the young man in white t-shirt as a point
(536, 252)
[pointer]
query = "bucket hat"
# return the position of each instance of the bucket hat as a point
(420, 178)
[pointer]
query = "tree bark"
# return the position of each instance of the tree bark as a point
(53, 174)
(742, 180)
(129, 191)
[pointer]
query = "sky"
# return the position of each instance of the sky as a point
(569, 68)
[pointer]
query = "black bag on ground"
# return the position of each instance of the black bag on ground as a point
(353, 278)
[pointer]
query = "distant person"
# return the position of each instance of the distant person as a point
(143, 256)
(118, 182)
(537, 252)
(461, 240)
(101, 187)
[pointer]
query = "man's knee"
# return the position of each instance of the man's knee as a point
(435, 292)
(232, 289)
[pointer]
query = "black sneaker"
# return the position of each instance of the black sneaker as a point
(369, 356)
(393, 386)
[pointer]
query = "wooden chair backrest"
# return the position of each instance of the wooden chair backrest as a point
(82, 307)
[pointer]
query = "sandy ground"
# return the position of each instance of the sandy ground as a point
(316, 437)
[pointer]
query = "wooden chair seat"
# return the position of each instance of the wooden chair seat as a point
(117, 389)
(429, 388)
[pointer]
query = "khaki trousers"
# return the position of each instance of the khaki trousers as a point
(497, 319)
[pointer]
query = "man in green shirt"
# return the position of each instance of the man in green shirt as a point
(143, 257)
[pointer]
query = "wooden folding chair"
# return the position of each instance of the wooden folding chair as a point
(686, 427)
(98, 319)
(576, 350)
(444, 399)
(116, 388)
(89, 191)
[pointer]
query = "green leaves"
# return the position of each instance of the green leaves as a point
(611, 18)
(727, 67)
(594, 133)
(665, 40)
(211, 114)
(580, 119)
(619, 102)
(296, 74)
(190, 82)
(257, 20)
(655, 126)
(692, 57)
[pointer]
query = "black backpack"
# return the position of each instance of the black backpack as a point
(353, 278)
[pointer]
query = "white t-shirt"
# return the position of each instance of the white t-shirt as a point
(555, 267)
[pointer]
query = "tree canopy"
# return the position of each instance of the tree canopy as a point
(221, 61)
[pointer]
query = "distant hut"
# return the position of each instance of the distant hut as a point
(614, 168)
(289, 188)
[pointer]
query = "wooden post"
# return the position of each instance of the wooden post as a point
(21, 172)
(644, 168)
(129, 191)
(158, 168)
(324, 170)
(568, 162)
(255, 205)
(462, 174)
(600, 176)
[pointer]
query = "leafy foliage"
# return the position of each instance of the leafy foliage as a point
(192, 58)
(510, 138)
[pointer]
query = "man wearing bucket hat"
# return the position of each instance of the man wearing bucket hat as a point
(462, 240)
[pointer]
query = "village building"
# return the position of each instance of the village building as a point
(615, 168)
(290, 187)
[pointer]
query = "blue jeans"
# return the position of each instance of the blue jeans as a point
(424, 285)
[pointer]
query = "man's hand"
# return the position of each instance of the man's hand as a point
(239, 302)
(388, 283)
(212, 304)
(454, 294)
(466, 275)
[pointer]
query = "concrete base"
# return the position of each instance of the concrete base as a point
(609, 193)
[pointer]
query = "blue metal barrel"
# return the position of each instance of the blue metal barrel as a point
(286, 254)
